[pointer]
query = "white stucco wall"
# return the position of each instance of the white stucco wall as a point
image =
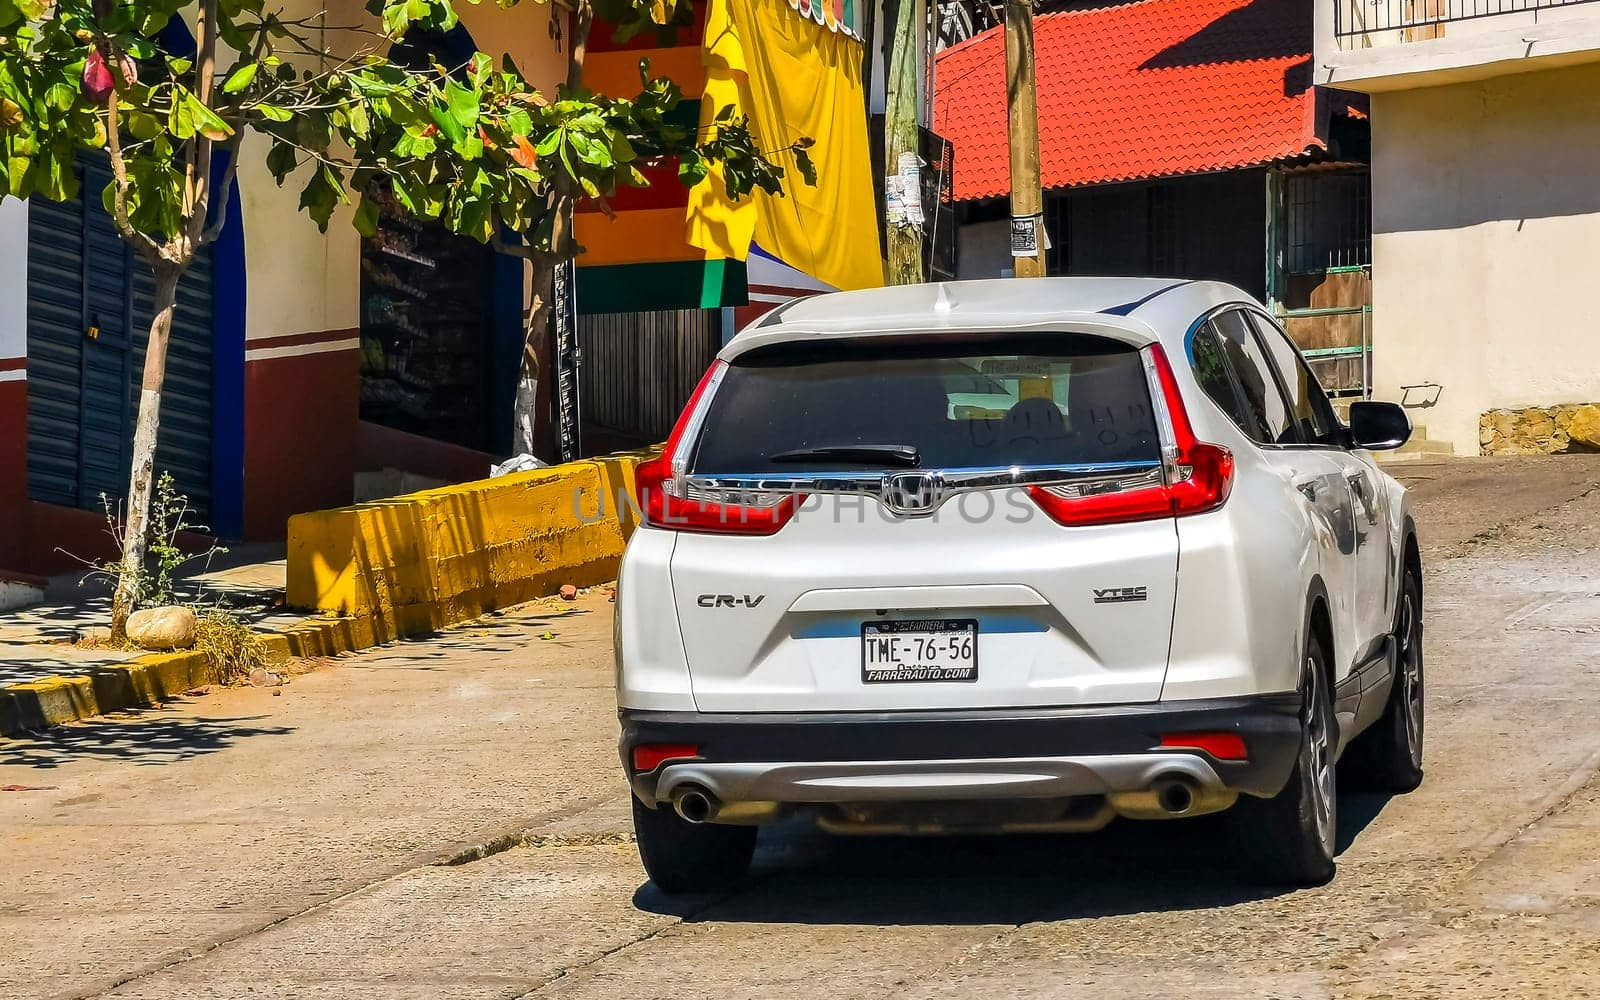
(1486, 245)
(301, 281)
(13, 283)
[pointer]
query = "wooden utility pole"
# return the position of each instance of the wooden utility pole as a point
(903, 19)
(1022, 115)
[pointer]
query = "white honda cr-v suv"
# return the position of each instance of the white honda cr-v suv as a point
(1015, 555)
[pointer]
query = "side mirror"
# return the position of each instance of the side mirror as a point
(1378, 426)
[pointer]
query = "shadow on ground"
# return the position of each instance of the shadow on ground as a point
(147, 738)
(806, 877)
(509, 632)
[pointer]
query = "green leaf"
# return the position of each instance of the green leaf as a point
(180, 120)
(272, 113)
(447, 124)
(802, 162)
(179, 66)
(240, 78)
(138, 47)
(19, 173)
(691, 169)
(281, 161)
(463, 105)
(366, 218)
(359, 123)
(207, 122)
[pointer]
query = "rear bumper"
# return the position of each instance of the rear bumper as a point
(949, 755)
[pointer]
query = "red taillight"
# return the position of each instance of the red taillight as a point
(1222, 746)
(731, 514)
(1205, 471)
(1198, 479)
(649, 756)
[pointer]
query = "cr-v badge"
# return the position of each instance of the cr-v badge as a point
(729, 600)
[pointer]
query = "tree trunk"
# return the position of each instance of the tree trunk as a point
(536, 337)
(525, 412)
(136, 518)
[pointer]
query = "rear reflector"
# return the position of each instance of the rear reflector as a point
(649, 756)
(1222, 746)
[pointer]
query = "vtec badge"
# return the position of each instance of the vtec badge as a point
(1119, 595)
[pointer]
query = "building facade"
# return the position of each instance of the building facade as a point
(306, 370)
(1184, 139)
(1485, 208)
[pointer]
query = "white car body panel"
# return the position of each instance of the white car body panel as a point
(1228, 591)
(1061, 650)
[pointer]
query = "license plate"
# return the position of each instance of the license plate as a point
(909, 651)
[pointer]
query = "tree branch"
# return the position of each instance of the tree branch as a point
(119, 183)
(197, 186)
(224, 190)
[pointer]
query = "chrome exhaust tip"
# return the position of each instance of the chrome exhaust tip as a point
(1175, 797)
(695, 805)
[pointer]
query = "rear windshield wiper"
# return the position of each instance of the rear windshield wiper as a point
(876, 454)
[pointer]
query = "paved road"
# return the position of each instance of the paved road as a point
(445, 818)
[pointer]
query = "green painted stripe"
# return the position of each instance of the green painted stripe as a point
(684, 284)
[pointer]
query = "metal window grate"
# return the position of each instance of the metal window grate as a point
(1328, 219)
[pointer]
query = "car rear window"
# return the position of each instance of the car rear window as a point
(1060, 399)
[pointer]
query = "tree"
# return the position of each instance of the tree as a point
(474, 147)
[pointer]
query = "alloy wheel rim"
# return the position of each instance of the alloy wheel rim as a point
(1321, 754)
(1411, 676)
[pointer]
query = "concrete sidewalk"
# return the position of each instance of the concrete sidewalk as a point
(141, 839)
(46, 678)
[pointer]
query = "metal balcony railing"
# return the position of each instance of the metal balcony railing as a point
(1417, 20)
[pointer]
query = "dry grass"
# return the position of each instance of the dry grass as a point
(233, 646)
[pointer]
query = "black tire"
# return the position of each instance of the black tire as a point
(1289, 838)
(1388, 756)
(686, 857)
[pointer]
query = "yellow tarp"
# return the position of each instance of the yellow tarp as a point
(793, 78)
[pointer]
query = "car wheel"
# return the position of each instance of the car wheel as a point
(1290, 837)
(681, 856)
(1389, 755)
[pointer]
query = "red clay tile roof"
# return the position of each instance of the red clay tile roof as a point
(1147, 89)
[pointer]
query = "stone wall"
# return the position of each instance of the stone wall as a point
(1540, 430)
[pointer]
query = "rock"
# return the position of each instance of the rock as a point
(262, 677)
(92, 635)
(162, 628)
(1585, 426)
(569, 592)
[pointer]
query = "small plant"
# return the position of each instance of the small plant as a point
(231, 645)
(155, 584)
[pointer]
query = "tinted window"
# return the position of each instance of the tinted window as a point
(1266, 415)
(1308, 404)
(1211, 371)
(990, 402)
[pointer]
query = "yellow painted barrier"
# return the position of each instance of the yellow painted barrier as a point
(415, 563)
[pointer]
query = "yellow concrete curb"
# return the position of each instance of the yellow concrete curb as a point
(157, 677)
(413, 564)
